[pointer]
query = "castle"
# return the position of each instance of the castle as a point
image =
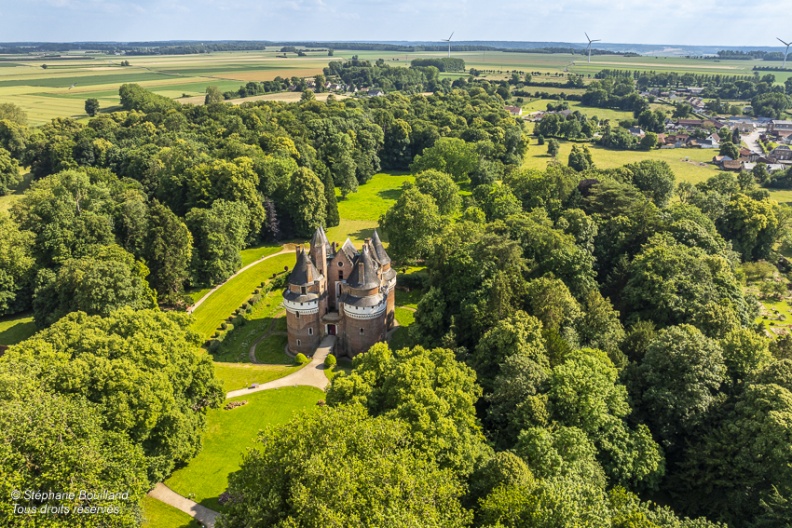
(342, 292)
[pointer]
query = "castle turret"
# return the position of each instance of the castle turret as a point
(303, 298)
(364, 304)
(388, 276)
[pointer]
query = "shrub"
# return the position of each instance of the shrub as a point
(230, 327)
(330, 361)
(301, 359)
(224, 325)
(214, 346)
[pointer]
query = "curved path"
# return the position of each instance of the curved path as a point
(287, 248)
(269, 332)
(311, 375)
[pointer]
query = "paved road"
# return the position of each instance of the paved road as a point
(202, 514)
(288, 248)
(311, 375)
(752, 140)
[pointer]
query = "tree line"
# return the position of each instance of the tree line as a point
(583, 350)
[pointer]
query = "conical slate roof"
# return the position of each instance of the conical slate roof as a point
(304, 272)
(320, 238)
(379, 249)
(364, 274)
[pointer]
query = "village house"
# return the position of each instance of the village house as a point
(779, 128)
(516, 111)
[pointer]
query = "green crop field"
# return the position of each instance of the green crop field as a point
(230, 433)
(690, 165)
(61, 89)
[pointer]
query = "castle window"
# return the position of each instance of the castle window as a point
(310, 331)
(298, 342)
(340, 264)
(340, 275)
(302, 290)
(361, 331)
(297, 314)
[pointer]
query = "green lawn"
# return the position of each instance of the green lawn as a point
(236, 291)
(240, 375)
(16, 328)
(360, 211)
(255, 253)
(236, 345)
(781, 196)
(689, 165)
(230, 433)
(157, 514)
(404, 316)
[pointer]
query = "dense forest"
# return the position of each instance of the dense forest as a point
(584, 352)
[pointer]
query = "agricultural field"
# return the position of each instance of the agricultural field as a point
(229, 434)
(690, 165)
(61, 89)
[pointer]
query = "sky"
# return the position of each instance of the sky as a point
(689, 22)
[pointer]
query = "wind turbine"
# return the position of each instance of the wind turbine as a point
(590, 42)
(787, 44)
(449, 43)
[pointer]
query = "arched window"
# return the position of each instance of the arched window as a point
(297, 315)
(310, 331)
(361, 331)
(298, 342)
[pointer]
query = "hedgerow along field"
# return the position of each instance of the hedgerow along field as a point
(61, 89)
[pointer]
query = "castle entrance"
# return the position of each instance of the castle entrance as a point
(331, 329)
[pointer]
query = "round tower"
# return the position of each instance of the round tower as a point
(302, 299)
(388, 276)
(364, 305)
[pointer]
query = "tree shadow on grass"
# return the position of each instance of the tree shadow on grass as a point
(18, 332)
(390, 194)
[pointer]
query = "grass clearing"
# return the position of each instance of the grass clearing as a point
(690, 165)
(229, 434)
(157, 514)
(360, 211)
(16, 328)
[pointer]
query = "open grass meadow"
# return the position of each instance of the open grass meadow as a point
(157, 514)
(16, 328)
(689, 165)
(229, 434)
(360, 211)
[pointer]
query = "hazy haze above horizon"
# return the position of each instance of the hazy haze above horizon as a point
(704, 22)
